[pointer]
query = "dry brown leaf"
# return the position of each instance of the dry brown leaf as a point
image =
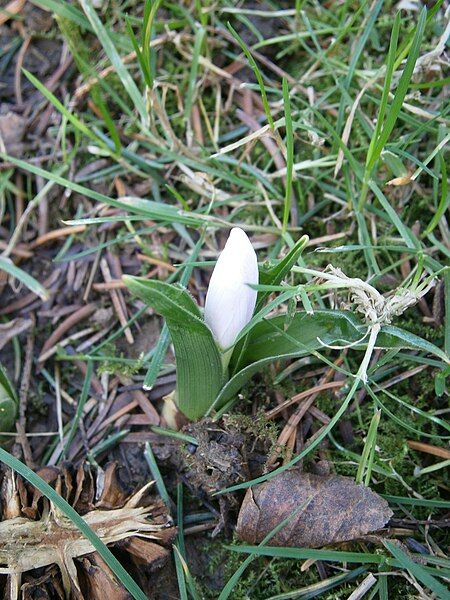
(403, 180)
(337, 510)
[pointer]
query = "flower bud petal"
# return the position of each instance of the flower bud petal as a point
(230, 302)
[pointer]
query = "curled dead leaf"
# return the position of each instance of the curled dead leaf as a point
(336, 510)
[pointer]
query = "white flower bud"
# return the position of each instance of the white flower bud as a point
(230, 302)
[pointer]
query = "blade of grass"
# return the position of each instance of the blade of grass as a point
(187, 574)
(82, 127)
(410, 240)
(289, 155)
(417, 501)
(183, 575)
(145, 208)
(79, 412)
(444, 202)
(432, 468)
(317, 589)
(30, 282)
(400, 92)
(355, 56)
(417, 571)
(63, 9)
(390, 61)
(368, 451)
(150, 9)
(314, 554)
(406, 45)
(199, 37)
(257, 73)
(119, 67)
(156, 474)
(181, 578)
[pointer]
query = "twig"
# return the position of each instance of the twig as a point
(363, 587)
(67, 324)
(116, 301)
(23, 397)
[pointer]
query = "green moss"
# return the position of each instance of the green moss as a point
(117, 367)
(255, 425)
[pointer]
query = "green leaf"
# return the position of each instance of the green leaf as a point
(303, 334)
(269, 341)
(9, 402)
(198, 362)
(395, 337)
(270, 275)
(160, 349)
(439, 381)
(274, 275)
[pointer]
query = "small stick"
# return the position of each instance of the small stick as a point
(23, 397)
(11, 9)
(59, 406)
(317, 389)
(67, 324)
(116, 301)
(363, 587)
(94, 269)
(76, 336)
(18, 70)
(56, 234)
(429, 449)
(296, 417)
